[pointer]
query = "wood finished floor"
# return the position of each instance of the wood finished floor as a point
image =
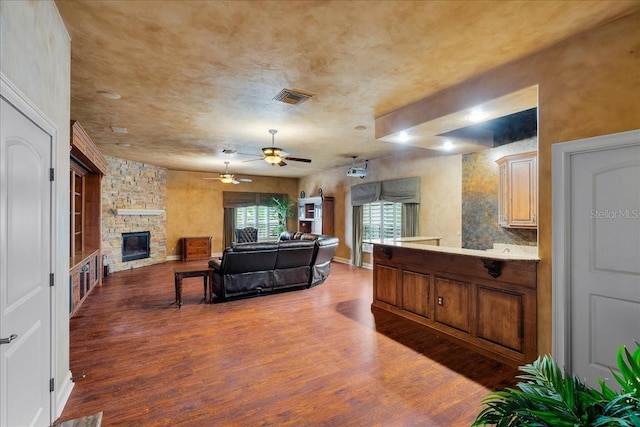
(315, 357)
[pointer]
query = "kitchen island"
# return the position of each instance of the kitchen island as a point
(484, 300)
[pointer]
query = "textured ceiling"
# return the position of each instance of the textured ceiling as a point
(197, 77)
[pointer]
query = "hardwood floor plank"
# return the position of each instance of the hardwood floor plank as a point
(317, 356)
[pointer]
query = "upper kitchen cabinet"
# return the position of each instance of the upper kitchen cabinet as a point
(518, 191)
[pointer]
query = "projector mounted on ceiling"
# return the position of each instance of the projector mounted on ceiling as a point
(356, 172)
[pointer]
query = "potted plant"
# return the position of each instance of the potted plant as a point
(285, 209)
(547, 397)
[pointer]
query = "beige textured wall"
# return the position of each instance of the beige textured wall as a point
(440, 188)
(194, 205)
(588, 85)
(35, 55)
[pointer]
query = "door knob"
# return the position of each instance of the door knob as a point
(8, 340)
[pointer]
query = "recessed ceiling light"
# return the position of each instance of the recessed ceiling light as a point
(360, 127)
(477, 115)
(447, 145)
(116, 129)
(109, 95)
(403, 136)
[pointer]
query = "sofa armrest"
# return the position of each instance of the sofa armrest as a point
(216, 264)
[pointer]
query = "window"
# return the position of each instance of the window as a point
(264, 218)
(381, 220)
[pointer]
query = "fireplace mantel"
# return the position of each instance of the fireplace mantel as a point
(139, 211)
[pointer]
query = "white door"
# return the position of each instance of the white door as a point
(25, 265)
(603, 257)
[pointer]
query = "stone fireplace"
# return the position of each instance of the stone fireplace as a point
(134, 197)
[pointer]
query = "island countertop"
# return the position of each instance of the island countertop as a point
(411, 243)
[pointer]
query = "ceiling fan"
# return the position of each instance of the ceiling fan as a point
(229, 178)
(277, 156)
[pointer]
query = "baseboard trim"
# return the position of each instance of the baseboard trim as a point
(63, 394)
(341, 260)
(348, 262)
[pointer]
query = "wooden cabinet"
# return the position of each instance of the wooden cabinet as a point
(84, 274)
(315, 215)
(194, 248)
(518, 191)
(87, 166)
(455, 295)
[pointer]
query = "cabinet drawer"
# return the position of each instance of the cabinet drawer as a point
(197, 244)
(197, 251)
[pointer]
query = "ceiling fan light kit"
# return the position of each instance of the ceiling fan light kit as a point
(276, 155)
(229, 178)
(272, 155)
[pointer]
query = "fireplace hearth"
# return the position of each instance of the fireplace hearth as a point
(135, 245)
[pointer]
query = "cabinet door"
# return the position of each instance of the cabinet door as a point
(500, 317)
(518, 191)
(415, 293)
(452, 303)
(328, 216)
(386, 284)
(522, 192)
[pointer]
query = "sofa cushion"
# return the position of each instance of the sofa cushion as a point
(254, 246)
(248, 257)
(294, 253)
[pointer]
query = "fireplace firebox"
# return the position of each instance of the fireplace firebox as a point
(135, 245)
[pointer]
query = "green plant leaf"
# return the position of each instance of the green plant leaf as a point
(547, 398)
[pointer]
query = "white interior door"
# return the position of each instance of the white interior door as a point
(602, 257)
(25, 265)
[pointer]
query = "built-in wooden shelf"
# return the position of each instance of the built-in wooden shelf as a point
(87, 166)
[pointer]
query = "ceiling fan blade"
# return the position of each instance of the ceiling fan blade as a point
(298, 159)
(282, 163)
(248, 154)
(235, 182)
(244, 180)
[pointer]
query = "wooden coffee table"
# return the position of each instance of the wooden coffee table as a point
(183, 272)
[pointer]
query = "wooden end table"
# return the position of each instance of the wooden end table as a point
(184, 272)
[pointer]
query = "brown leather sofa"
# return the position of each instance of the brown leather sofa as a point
(297, 260)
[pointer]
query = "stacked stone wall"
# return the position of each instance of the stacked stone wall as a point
(133, 185)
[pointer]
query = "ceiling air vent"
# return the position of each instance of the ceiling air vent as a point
(292, 97)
